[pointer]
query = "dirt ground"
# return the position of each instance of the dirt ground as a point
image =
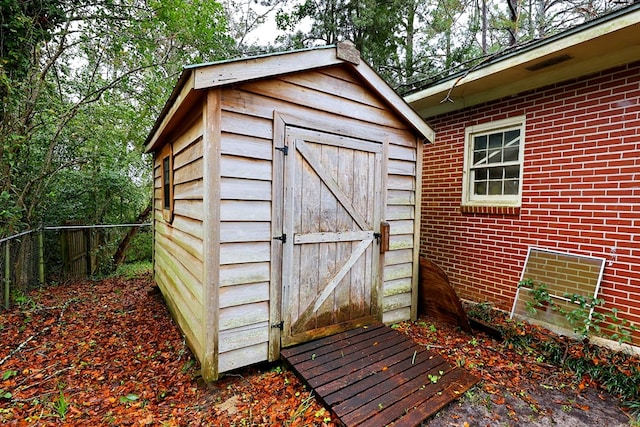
(107, 353)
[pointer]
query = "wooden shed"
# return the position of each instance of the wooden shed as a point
(275, 177)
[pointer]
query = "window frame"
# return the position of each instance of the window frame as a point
(166, 157)
(508, 200)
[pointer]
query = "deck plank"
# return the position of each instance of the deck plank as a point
(376, 376)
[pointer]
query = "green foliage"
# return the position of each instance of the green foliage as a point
(480, 311)
(61, 406)
(134, 270)
(584, 317)
(75, 118)
(140, 248)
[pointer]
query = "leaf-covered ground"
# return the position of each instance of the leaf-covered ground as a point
(107, 353)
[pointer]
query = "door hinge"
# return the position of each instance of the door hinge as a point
(282, 238)
(278, 325)
(285, 149)
(378, 237)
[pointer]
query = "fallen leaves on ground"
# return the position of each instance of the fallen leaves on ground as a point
(107, 353)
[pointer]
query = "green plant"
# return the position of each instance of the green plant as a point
(634, 408)
(480, 311)
(8, 374)
(61, 406)
(5, 394)
(134, 270)
(584, 317)
(22, 300)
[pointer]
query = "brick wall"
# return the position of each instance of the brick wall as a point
(581, 190)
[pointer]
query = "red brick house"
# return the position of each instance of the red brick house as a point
(564, 115)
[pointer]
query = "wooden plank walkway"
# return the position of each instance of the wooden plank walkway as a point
(376, 376)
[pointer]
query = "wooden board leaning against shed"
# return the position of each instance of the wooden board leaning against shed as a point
(563, 274)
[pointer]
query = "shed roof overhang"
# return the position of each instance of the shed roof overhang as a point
(196, 78)
(603, 43)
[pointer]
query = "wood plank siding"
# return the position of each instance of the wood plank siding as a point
(236, 187)
(247, 133)
(179, 244)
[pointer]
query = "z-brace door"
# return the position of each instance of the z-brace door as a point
(331, 210)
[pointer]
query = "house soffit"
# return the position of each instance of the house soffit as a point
(609, 44)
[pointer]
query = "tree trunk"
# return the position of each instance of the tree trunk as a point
(119, 256)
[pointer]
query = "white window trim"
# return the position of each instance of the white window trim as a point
(467, 194)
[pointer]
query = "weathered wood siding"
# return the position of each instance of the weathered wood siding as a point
(179, 244)
(332, 94)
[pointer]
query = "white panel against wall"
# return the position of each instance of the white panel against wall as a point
(241, 210)
(234, 274)
(243, 315)
(244, 189)
(238, 253)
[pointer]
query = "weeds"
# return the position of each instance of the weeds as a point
(61, 406)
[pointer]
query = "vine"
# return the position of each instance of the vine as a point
(584, 317)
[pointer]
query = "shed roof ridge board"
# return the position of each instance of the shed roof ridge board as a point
(587, 31)
(228, 72)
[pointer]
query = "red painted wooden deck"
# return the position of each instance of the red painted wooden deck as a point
(376, 376)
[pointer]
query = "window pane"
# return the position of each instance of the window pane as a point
(495, 140)
(512, 172)
(495, 188)
(481, 174)
(480, 142)
(511, 154)
(512, 137)
(496, 173)
(511, 186)
(166, 183)
(495, 156)
(480, 188)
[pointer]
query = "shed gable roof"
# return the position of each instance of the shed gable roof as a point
(603, 43)
(219, 74)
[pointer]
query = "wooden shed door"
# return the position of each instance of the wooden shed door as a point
(331, 210)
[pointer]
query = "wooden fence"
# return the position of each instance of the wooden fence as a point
(22, 256)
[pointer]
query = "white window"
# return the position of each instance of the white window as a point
(493, 154)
